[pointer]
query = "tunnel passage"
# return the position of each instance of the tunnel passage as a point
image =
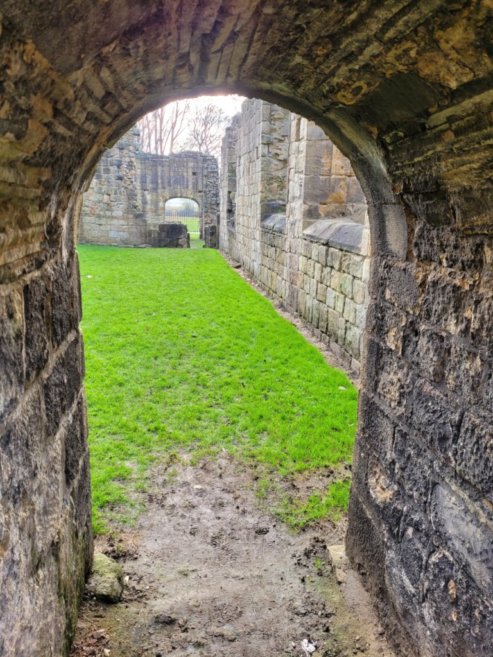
(404, 90)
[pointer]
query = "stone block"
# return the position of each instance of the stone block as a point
(306, 248)
(37, 313)
(355, 265)
(75, 443)
(352, 340)
(170, 235)
(349, 312)
(322, 255)
(335, 280)
(62, 385)
(308, 308)
(66, 304)
(334, 258)
(11, 347)
(313, 287)
(332, 322)
(403, 287)
(211, 237)
(447, 303)
(347, 285)
(473, 452)
(315, 316)
(321, 292)
(431, 414)
(359, 291)
(106, 580)
(340, 164)
(431, 355)
(376, 422)
(463, 534)
(323, 317)
(339, 303)
(301, 302)
(326, 274)
(463, 368)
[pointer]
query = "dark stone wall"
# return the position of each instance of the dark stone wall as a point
(126, 199)
(422, 504)
(404, 89)
(45, 513)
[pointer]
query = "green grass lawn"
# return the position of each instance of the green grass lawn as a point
(181, 354)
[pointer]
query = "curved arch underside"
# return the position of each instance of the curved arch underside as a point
(404, 90)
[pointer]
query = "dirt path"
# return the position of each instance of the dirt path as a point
(210, 574)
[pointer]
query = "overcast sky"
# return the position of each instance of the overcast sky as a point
(230, 105)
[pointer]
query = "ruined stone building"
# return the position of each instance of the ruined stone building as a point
(125, 202)
(294, 215)
(404, 90)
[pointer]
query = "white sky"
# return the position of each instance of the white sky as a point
(230, 105)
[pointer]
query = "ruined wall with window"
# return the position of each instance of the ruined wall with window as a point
(125, 202)
(294, 216)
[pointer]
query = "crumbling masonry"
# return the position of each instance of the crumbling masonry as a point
(124, 204)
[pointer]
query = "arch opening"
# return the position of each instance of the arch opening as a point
(411, 109)
(186, 211)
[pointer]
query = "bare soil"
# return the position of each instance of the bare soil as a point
(211, 573)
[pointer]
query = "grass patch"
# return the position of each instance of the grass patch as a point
(182, 354)
(333, 504)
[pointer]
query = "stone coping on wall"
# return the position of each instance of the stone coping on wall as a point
(275, 222)
(342, 233)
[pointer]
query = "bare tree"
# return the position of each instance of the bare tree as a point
(161, 129)
(205, 129)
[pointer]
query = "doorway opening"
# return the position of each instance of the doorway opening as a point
(184, 211)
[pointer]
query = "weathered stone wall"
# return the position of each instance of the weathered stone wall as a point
(45, 511)
(125, 202)
(299, 221)
(404, 89)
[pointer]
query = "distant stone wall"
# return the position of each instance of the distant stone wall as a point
(124, 204)
(294, 216)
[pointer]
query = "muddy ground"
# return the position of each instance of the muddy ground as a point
(211, 573)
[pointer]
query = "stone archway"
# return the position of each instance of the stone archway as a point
(404, 90)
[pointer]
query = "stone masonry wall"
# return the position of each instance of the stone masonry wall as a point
(405, 91)
(124, 204)
(45, 512)
(299, 222)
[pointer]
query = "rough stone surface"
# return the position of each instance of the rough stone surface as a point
(404, 91)
(171, 236)
(301, 240)
(106, 580)
(211, 237)
(125, 202)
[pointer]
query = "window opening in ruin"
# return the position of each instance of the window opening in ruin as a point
(184, 211)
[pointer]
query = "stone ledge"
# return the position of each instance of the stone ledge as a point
(342, 233)
(274, 222)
